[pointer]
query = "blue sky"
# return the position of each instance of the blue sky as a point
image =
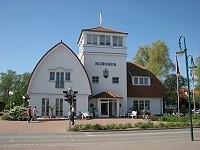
(29, 28)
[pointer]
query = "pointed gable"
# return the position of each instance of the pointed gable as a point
(60, 58)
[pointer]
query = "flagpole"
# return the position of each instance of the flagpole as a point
(178, 94)
(177, 88)
(193, 91)
(100, 18)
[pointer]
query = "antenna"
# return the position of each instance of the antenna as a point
(100, 18)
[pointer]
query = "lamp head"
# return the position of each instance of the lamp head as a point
(180, 52)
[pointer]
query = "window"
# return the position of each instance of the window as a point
(120, 41)
(95, 79)
(45, 107)
(67, 76)
(102, 39)
(117, 41)
(135, 81)
(59, 107)
(92, 39)
(141, 104)
(52, 76)
(146, 81)
(115, 79)
(89, 38)
(107, 40)
(141, 81)
(147, 105)
(59, 80)
(135, 105)
(114, 40)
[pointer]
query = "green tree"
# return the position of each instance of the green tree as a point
(170, 85)
(197, 80)
(197, 73)
(17, 83)
(155, 58)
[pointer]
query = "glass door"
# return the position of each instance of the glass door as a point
(104, 109)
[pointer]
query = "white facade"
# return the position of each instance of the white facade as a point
(97, 58)
(98, 73)
(42, 90)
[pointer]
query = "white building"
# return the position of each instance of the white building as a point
(105, 82)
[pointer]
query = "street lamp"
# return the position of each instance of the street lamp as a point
(10, 94)
(23, 97)
(188, 81)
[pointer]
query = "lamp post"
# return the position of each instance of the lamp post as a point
(10, 94)
(23, 97)
(188, 81)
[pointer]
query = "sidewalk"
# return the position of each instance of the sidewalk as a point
(55, 126)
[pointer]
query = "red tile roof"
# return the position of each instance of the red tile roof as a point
(107, 94)
(156, 89)
(101, 29)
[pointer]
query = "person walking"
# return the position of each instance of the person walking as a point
(35, 111)
(72, 115)
(29, 113)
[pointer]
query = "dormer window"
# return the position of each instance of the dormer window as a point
(143, 81)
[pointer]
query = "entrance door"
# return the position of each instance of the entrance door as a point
(112, 109)
(104, 109)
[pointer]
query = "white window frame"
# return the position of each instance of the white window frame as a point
(142, 104)
(67, 76)
(52, 76)
(117, 41)
(92, 39)
(102, 40)
(141, 80)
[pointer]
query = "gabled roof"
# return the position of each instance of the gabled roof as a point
(102, 29)
(156, 89)
(107, 94)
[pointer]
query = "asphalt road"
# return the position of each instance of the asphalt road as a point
(167, 139)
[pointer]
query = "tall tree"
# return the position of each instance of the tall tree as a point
(197, 73)
(155, 58)
(170, 85)
(17, 83)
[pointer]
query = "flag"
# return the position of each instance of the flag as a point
(100, 18)
(177, 68)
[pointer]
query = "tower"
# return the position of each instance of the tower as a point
(103, 53)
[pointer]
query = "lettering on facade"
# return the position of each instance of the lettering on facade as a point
(105, 64)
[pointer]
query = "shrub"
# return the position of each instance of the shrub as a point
(76, 128)
(172, 118)
(129, 125)
(161, 125)
(197, 123)
(98, 127)
(18, 113)
(88, 127)
(144, 125)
